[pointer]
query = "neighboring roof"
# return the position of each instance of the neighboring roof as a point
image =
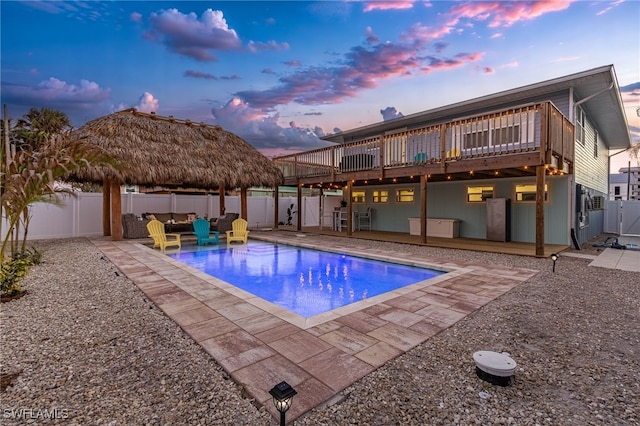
(618, 178)
(164, 151)
(626, 170)
(605, 109)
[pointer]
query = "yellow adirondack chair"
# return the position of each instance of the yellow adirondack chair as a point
(156, 231)
(238, 231)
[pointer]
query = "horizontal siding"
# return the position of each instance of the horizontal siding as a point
(591, 170)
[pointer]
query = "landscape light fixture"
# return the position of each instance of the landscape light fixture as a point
(282, 394)
(554, 257)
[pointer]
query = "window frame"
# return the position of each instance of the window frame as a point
(400, 196)
(379, 197)
(547, 196)
(355, 196)
(483, 198)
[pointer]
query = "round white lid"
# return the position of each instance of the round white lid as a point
(494, 363)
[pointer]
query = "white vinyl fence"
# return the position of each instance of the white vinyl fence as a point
(81, 215)
(622, 217)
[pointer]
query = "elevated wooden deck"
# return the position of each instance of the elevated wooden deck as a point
(506, 143)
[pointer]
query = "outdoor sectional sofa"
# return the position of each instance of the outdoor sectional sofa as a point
(136, 226)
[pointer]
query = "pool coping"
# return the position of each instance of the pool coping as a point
(308, 322)
(259, 344)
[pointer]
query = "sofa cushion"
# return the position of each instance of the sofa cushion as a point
(163, 217)
(180, 217)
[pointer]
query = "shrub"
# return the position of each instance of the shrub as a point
(15, 269)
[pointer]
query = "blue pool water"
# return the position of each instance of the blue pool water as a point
(307, 282)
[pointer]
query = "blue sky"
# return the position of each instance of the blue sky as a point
(282, 74)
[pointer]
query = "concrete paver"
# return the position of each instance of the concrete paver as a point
(260, 344)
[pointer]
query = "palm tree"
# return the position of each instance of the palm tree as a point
(32, 176)
(40, 150)
(38, 126)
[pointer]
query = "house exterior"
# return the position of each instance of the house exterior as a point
(625, 185)
(541, 149)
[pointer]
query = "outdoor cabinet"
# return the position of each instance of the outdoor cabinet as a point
(498, 219)
(443, 228)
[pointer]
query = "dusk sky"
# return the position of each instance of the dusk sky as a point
(281, 74)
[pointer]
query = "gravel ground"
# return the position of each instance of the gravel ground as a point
(90, 349)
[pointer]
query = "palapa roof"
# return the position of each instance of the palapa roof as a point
(163, 151)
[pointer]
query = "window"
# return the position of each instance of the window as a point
(380, 196)
(527, 192)
(497, 136)
(616, 190)
(478, 194)
(404, 196)
(595, 146)
(580, 126)
(357, 196)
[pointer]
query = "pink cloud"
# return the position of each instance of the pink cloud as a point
(58, 91)
(262, 130)
(362, 68)
(388, 5)
(371, 37)
(147, 103)
(198, 37)
(135, 17)
(193, 36)
(73, 99)
(505, 14)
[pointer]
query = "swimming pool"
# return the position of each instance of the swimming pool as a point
(305, 281)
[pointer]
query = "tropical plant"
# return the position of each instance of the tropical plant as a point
(14, 270)
(38, 126)
(32, 175)
(290, 213)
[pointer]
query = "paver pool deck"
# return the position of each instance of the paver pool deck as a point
(260, 344)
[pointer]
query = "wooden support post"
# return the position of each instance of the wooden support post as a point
(221, 198)
(243, 203)
(540, 180)
(321, 208)
(276, 207)
(443, 147)
(299, 221)
(116, 212)
(106, 207)
(423, 209)
(349, 209)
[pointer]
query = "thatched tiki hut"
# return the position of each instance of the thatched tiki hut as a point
(162, 151)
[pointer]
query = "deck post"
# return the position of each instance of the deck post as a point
(221, 198)
(443, 147)
(116, 212)
(276, 206)
(321, 208)
(299, 221)
(243, 203)
(349, 209)
(540, 179)
(423, 209)
(106, 207)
